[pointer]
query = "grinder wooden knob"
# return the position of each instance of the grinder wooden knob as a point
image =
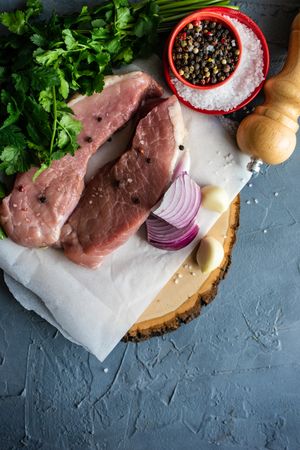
(269, 133)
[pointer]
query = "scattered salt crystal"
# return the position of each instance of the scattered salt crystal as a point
(105, 370)
(248, 202)
(90, 202)
(193, 274)
(176, 281)
(129, 180)
(190, 267)
(255, 200)
(265, 231)
(243, 82)
(250, 184)
(276, 194)
(230, 125)
(180, 275)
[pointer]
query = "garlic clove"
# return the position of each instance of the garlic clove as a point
(215, 198)
(210, 254)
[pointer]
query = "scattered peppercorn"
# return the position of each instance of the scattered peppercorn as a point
(42, 199)
(181, 147)
(89, 139)
(205, 52)
(135, 200)
(99, 119)
(21, 188)
(119, 183)
(148, 160)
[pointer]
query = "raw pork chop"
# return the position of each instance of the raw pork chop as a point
(34, 213)
(119, 198)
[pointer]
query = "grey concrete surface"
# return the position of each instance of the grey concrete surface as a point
(229, 380)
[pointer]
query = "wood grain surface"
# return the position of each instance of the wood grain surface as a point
(180, 303)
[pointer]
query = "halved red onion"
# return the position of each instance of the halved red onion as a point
(180, 203)
(183, 166)
(165, 236)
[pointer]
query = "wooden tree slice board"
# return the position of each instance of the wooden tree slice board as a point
(181, 301)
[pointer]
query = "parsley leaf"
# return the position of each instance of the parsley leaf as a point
(12, 109)
(2, 234)
(44, 78)
(15, 22)
(70, 128)
(38, 40)
(45, 99)
(34, 8)
(46, 58)
(12, 135)
(64, 85)
(69, 40)
(123, 18)
(14, 159)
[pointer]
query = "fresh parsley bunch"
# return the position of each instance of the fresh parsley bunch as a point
(43, 63)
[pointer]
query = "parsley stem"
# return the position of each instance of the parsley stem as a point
(54, 121)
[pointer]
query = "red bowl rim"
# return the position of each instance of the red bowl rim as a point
(202, 14)
(246, 20)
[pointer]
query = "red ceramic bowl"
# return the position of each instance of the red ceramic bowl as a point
(201, 15)
(246, 20)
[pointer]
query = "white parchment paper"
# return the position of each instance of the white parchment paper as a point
(95, 308)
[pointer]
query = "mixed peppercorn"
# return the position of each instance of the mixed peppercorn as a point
(205, 53)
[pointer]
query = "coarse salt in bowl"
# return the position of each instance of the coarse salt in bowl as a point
(247, 81)
(200, 16)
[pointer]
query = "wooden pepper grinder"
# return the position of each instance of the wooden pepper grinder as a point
(269, 133)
